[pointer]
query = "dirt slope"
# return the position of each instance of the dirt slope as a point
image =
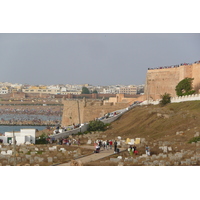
(159, 123)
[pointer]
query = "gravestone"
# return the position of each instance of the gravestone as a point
(114, 159)
(142, 140)
(121, 164)
(169, 148)
(165, 149)
(62, 149)
(31, 161)
(50, 159)
(78, 151)
(137, 140)
(40, 159)
(89, 142)
(76, 155)
(176, 163)
(3, 153)
(28, 156)
(132, 141)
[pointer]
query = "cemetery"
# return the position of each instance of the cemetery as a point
(39, 155)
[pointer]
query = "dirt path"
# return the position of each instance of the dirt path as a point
(95, 156)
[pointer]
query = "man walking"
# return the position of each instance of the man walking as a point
(115, 146)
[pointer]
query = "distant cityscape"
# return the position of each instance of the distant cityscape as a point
(6, 88)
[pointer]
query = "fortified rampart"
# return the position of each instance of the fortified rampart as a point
(82, 111)
(159, 81)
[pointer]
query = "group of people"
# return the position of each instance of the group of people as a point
(63, 141)
(132, 150)
(174, 66)
(106, 145)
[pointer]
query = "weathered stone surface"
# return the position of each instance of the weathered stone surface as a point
(114, 159)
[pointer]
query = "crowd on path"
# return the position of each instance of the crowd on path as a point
(105, 145)
(175, 66)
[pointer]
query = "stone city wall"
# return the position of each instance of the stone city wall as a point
(159, 81)
(88, 109)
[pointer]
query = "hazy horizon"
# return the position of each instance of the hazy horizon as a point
(94, 58)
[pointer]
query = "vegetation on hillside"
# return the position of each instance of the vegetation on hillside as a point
(96, 126)
(165, 99)
(184, 87)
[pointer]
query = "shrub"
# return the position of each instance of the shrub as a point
(184, 87)
(96, 126)
(166, 98)
(195, 139)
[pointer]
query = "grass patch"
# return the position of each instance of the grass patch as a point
(195, 139)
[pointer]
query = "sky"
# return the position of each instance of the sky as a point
(94, 58)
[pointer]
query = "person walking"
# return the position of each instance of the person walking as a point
(147, 149)
(115, 146)
(110, 143)
(107, 144)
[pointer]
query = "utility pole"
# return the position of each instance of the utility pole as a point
(14, 149)
(79, 114)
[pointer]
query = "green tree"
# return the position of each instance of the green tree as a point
(184, 87)
(166, 98)
(94, 91)
(96, 126)
(85, 90)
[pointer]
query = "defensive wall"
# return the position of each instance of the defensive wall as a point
(84, 127)
(85, 110)
(176, 99)
(165, 79)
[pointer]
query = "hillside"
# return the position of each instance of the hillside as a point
(155, 123)
(171, 127)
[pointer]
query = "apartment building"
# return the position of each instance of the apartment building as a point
(41, 89)
(131, 89)
(4, 90)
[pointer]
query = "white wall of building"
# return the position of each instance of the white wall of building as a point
(25, 135)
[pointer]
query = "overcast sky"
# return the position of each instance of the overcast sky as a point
(97, 59)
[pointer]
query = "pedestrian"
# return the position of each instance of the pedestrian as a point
(107, 144)
(130, 149)
(147, 149)
(110, 143)
(135, 150)
(104, 145)
(100, 143)
(115, 146)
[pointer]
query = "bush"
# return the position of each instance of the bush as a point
(184, 87)
(166, 98)
(195, 139)
(96, 126)
(42, 139)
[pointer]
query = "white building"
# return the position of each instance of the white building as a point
(25, 135)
